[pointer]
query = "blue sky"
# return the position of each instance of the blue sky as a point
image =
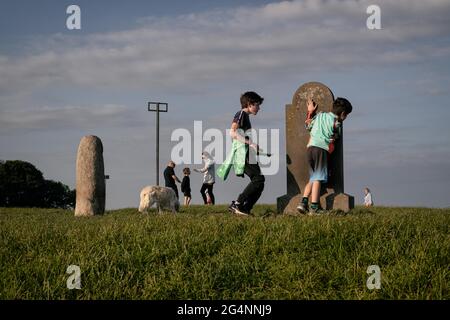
(58, 85)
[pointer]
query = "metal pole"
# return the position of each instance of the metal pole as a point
(155, 107)
(157, 144)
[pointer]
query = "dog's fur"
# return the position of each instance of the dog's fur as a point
(165, 198)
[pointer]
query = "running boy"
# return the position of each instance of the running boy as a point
(250, 105)
(325, 128)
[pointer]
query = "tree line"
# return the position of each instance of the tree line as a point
(23, 185)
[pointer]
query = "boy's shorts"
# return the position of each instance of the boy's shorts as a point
(318, 164)
(187, 194)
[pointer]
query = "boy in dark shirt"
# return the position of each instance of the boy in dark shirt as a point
(186, 186)
(170, 178)
(250, 104)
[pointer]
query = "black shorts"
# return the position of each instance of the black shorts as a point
(187, 194)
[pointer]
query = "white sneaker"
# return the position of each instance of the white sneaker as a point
(302, 208)
(235, 209)
(241, 213)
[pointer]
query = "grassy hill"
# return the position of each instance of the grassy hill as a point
(206, 253)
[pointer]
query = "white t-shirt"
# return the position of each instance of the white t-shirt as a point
(368, 199)
(209, 171)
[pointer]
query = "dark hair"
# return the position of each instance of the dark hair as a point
(249, 98)
(342, 105)
(186, 170)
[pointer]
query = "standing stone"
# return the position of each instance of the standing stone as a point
(332, 193)
(90, 175)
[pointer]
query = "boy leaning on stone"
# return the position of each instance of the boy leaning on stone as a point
(325, 129)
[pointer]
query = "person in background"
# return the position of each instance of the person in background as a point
(209, 178)
(186, 186)
(170, 178)
(368, 202)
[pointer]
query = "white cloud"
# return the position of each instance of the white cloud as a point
(237, 48)
(226, 45)
(64, 117)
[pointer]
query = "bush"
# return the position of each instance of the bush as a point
(23, 185)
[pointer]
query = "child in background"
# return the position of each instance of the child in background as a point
(209, 178)
(186, 186)
(368, 202)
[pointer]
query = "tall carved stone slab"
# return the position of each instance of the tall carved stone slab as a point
(332, 193)
(90, 178)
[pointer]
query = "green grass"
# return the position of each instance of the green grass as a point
(206, 253)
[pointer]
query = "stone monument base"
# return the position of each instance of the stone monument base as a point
(337, 201)
(287, 204)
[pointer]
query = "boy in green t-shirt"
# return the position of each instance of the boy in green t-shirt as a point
(325, 129)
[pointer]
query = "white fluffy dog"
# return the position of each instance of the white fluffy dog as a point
(165, 198)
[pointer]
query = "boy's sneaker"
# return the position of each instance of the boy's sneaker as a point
(302, 208)
(234, 208)
(316, 211)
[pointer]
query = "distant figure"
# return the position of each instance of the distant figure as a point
(186, 186)
(368, 202)
(209, 178)
(170, 177)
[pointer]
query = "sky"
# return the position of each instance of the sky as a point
(58, 85)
